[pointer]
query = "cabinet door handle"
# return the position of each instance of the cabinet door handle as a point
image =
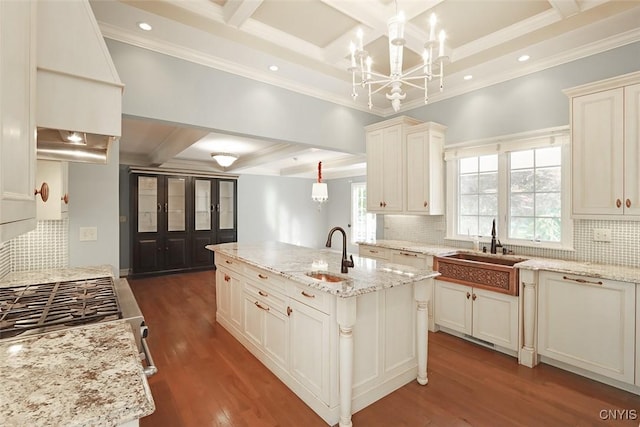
(262, 276)
(166, 207)
(628, 203)
(228, 262)
(307, 295)
(65, 199)
(425, 204)
(261, 306)
(211, 208)
(474, 297)
(468, 295)
(289, 311)
(43, 192)
(582, 280)
(159, 208)
(384, 204)
(407, 254)
(371, 251)
(618, 203)
(227, 278)
(380, 204)
(264, 294)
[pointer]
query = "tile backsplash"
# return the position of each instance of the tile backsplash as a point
(45, 247)
(624, 248)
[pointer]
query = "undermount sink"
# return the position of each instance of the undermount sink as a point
(494, 273)
(325, 276)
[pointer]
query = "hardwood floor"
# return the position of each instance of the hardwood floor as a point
(206, 378)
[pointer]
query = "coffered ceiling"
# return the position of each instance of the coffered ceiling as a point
(308, 40)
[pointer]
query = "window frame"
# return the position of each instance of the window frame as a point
(502, 147)
(354, 239)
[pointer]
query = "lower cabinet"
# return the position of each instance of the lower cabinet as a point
(485, 315)
(229, 296)
(588, 323)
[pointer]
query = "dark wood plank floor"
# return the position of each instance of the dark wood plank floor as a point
(206, 378)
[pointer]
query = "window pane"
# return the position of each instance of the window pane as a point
(468, 225)
(486, 223)
(489, 163)
(521, 228)
(488, 204)
(548, 157)
(521, 204)
(522, 180)
(548, 229)
(469, 205)
(363, 224)
(522, 159)
(488, 182)
(548, 204)
(469, 184)
(548, 179)
(469, 165)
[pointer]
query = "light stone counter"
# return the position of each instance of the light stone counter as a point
(86, 376)
(55, 275)
(292, 262)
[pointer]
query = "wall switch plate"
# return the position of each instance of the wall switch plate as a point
(88, 234)
(601, 234)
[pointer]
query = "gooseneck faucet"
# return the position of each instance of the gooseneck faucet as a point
(495, 244)
(346, 262)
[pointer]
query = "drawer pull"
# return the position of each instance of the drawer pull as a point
(582, 280)
(260, 306)
(264, 294)
(628, 203)
(618, 203)
(474, 297)
(228, 262)
(262, 276)
(289, 311)
(371, 251)
(307, 295)
(227, 278)
(408, 254)
(468, 295)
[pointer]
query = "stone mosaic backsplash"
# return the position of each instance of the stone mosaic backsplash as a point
(624, 248)
(45, 247)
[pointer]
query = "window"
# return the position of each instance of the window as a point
(521, 184)
(363, 224)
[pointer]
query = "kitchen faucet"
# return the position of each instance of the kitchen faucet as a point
(346, 262)
(494, 245)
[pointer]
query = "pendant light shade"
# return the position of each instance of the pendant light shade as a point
(319, 191)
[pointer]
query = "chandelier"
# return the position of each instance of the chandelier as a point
(432, 67)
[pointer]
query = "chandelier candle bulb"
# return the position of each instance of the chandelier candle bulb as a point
(360, 42)
(441, 36)
(432, 29)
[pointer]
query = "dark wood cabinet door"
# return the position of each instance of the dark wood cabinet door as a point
(147, 255)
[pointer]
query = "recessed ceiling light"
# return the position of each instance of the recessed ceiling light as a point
(145, 26)
(273, 67)
(468, 77)
(523, 58)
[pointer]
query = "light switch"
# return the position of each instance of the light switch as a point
(601, 234)
(88, 234)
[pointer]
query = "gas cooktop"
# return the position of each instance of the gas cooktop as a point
(49, 306)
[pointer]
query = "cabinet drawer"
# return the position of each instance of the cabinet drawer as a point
(373, 252)
(312, 297)
(223, 261)
(264, 278)
(265, 296)
(412, 259)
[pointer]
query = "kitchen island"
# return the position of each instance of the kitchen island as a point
(340, 341)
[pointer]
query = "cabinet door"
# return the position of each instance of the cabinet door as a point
(598, 153)
(453, 306)
(253, 325)
(17, 118)
(55, 174)
(276, 335)
(590, 325)
(425, 173)
(375, 162)
(495, 318)
(203, 221)
(392, 169)
(223, 293)
(227, 216)
(632, 150)
(310, 348)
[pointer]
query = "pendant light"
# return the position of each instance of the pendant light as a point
(319, 191)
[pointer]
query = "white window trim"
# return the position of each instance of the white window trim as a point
(502, 146)
(353, 239)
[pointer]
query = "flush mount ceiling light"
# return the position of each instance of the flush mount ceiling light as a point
(431, 67)
(224, 159)
(319, 191)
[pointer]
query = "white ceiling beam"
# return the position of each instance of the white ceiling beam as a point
(272, 153)
(565, 8)
(177, 141)
(237, 12)
(341, 162)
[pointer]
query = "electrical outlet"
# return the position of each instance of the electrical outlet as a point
(601, 234)
(88, 234)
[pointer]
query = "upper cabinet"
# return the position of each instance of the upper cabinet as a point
(605, 141)
(56, 176)
(405, 167)
(17, 118)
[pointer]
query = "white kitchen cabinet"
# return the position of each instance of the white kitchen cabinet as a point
(17, 118)
(588, 323)
(413, 259)
(638, 335)
(605, 142)
(375, 252)
(229, 297)
(56, 175)
(485, 315)
(385, 164)
(425, 169)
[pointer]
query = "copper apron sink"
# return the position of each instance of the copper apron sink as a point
(493, 273)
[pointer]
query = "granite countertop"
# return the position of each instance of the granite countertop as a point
(55, 275)
(292, 262)
(85, 376)
(604, 271)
